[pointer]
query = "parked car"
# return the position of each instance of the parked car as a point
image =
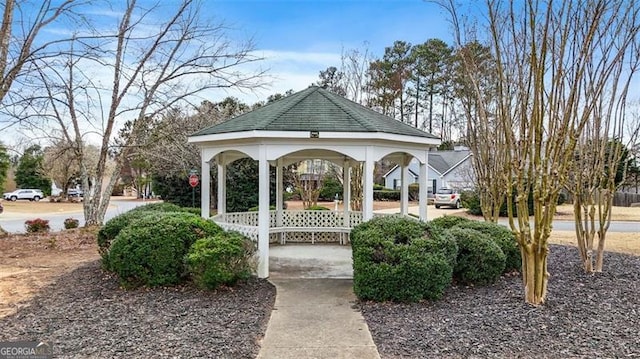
(30, 194)
(74, 192)
(447, 197)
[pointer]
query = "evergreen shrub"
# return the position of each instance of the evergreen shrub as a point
(386, 195)
(503, 237)
(471, 201)
(70, 223)
(112, 227)
(446, 222)
(400, 259)
(480, 260)
(223, 259)
(257, 208)
(151, 250)
(317, 208)
(158, 206)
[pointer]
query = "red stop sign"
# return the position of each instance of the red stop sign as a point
(193, 180)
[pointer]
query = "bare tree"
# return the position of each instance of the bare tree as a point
(355, 65)
(554, 63)
(308, 177)
(22, 43)
(61, 162)
(153, 66)
(476, 93)
(599, 169)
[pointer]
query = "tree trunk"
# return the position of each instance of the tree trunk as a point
(356, 187)
(417, 100)
(431, 111)
(534, 273)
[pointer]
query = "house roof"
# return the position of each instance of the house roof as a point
(444, 161)
(314, 109)
(440, 161)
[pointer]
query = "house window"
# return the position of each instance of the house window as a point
(397, 184)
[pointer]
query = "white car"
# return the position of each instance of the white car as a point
(30, 194)
(447, 197)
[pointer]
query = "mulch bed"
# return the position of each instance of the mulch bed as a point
(85, 314)
(585, 316)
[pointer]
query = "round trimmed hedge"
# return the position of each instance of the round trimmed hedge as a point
(400, 259)
(223, 259)
(503, 237)
(158, 206)
(151, 250)
(112, 227)
(480, 260)
(446, 222)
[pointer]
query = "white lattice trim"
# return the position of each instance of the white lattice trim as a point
(293, 221)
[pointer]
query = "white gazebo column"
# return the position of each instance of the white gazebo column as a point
(222, 186)
(205, 185)
(423, 188)
(279, 199)
(404, 182)
(263, 214)
(346, 192)
(367, 193)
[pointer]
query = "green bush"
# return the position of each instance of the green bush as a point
(471, 201)
(503, 237)
(480, 260)
(151, 251)
(448, 221)
(256, 208)
(386, 195)
(330, 187)
(223, 259)
(400, 259)
(194, 210)
(158, 206)
(317, 208)
(440, 242)
(562, 198)
(71, 223)
(112, 227)
(378, 187)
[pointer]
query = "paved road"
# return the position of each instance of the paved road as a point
(15, 222)
(622, 227)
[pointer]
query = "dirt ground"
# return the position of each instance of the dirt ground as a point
(30, 262)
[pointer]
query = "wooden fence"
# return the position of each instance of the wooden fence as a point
(625, 199)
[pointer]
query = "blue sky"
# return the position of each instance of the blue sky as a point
(301, 37)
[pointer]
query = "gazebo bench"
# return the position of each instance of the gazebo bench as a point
(313, 230)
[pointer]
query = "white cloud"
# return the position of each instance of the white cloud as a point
(300, 58)
(289, 70)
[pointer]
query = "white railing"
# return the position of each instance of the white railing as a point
(244, 218)
(247, 222)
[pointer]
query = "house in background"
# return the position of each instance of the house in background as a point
(450, 169)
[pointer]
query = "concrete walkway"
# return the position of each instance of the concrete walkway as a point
(313, 317)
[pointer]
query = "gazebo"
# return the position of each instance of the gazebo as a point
(311, 124)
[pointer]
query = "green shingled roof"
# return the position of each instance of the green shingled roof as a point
(314, 109)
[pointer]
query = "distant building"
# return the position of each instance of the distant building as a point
(450, 169)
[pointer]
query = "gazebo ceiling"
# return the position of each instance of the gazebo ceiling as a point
(315, 110)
